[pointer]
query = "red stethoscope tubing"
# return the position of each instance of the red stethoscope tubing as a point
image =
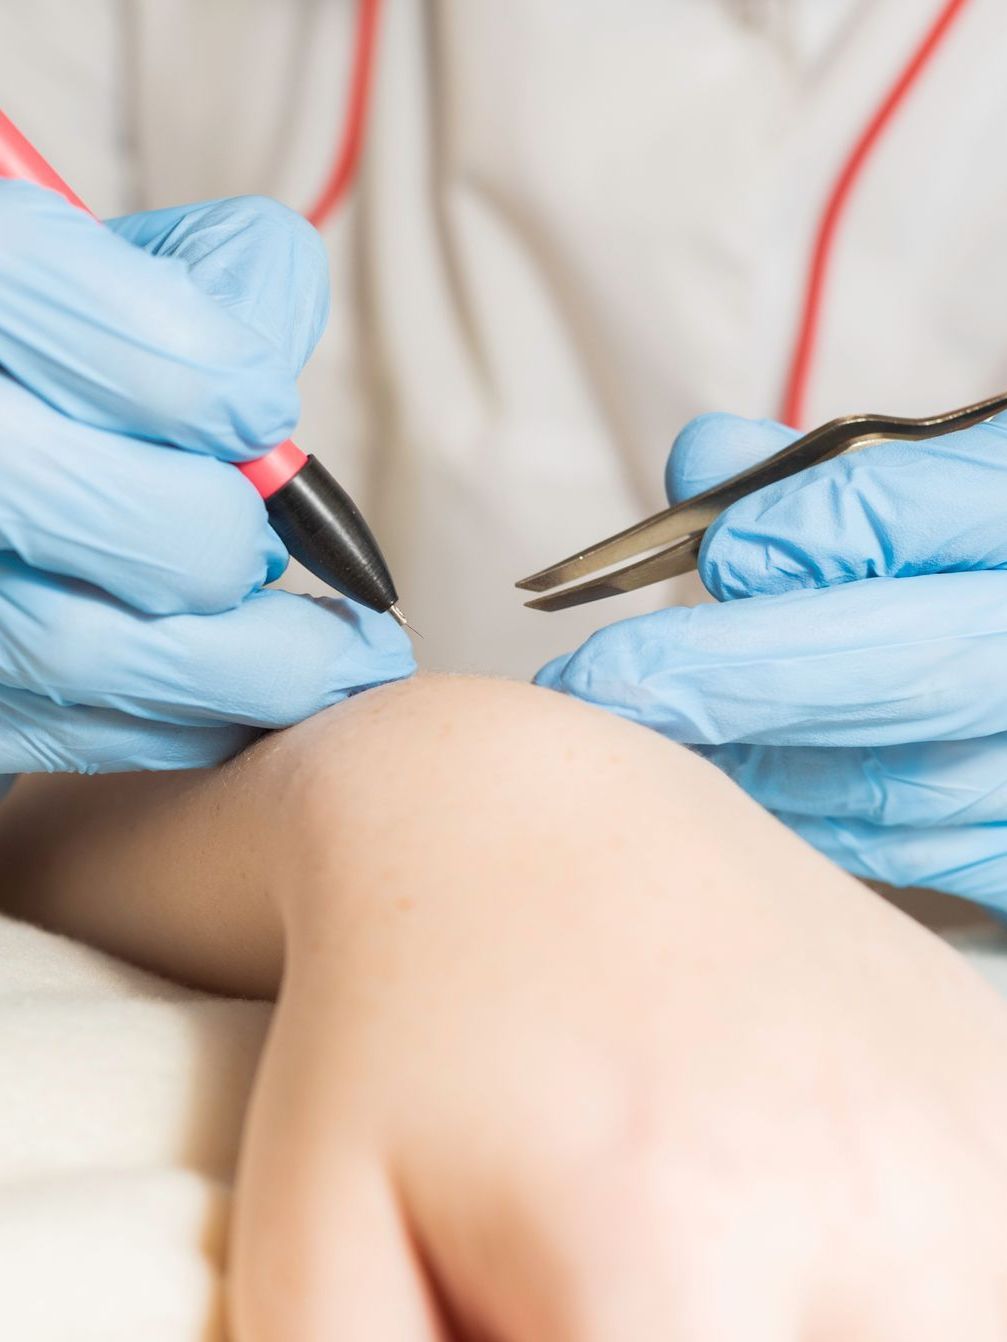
(795, 395)
(346, 160)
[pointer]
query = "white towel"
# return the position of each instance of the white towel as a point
(121, 1099)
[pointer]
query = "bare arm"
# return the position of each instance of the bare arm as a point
(181, 873)
(177, 872)
(187, 873)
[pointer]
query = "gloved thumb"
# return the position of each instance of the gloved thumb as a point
(712, 448)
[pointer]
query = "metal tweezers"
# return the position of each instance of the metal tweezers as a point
(680, 529)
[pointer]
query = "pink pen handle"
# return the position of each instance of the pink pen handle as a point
(21, 161)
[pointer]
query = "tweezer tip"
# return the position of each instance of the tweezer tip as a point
(397, 615)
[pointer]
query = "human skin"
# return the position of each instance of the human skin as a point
(574, 1042)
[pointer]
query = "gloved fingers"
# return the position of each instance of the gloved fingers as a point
(874, 663)
(271, 661)
(127, 341)
(966, 860)
(258, 259)
(163, 531)
(39, 736)
(921, 784)
(892, 510)
(712, 448)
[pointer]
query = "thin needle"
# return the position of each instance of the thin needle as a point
(401, 620)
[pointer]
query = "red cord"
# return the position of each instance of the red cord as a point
(799, 376)
(347, 158)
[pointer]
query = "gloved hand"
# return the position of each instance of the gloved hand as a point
(133, 631)
(860, 689)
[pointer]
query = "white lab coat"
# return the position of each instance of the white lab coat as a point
(579, 223)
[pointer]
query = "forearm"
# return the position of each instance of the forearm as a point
(196, 875)
(173, 871)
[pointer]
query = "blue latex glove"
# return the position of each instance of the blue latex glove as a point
(859, 690)
(133, 631)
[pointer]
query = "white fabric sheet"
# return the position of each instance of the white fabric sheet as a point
(121, 1100)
